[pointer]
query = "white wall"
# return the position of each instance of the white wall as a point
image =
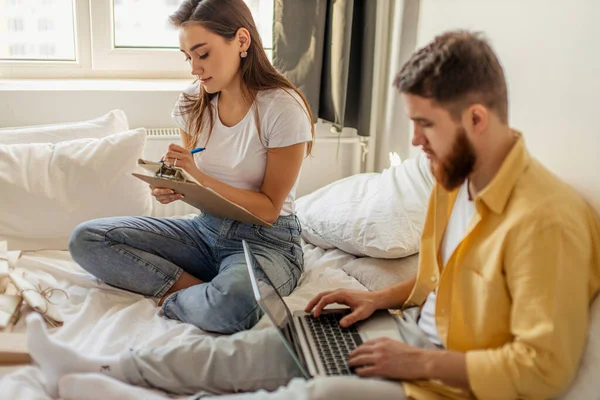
(150, 109)
(550, 50)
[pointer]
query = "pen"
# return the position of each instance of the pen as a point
(194, 151)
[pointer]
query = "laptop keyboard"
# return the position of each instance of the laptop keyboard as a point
(334, 343)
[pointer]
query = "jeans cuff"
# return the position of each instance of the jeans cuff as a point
(169, 284)
(171, 298)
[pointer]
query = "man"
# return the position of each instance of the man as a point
(509, 265)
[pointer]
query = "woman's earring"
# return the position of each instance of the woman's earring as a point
(244, 54)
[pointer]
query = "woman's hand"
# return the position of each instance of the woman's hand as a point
(181, 157)
(165, 195)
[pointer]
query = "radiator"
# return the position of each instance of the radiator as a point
(334, 157)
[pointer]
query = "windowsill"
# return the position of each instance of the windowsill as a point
(108, 85)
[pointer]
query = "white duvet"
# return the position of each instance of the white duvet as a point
(102, 320)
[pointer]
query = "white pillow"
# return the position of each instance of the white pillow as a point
(48, 189)
(378, 273)
(113, 122)
(375, 215)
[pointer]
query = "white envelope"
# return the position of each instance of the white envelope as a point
(32, 297)
(8, 261)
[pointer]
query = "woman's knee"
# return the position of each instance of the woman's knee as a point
(83, 237)
(88, 248)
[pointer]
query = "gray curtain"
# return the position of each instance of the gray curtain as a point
(325, 47)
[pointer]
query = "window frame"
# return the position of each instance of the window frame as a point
(57, 68)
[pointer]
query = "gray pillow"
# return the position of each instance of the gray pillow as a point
(378, 273)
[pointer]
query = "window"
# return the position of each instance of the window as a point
(47, 50)
(17, 50)
(45, 32)
(100, 38)
(149, 29)
(45, 24)
(262, 10)
(15, 25)
(152, 30)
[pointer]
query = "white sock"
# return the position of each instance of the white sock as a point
(100, 387)
(56, 359)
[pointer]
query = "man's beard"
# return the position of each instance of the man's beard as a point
(452, 172)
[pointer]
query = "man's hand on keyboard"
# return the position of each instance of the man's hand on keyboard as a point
(391, 359)
(363, 304)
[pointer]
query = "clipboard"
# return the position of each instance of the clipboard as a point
(195, 194)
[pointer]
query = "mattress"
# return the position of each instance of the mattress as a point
(102, 320)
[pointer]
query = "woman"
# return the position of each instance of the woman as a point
(256, 128)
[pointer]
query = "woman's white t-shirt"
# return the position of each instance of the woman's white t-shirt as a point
(237, 155)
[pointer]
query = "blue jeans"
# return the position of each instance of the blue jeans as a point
(147, 255)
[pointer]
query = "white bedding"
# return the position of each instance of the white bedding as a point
(103, 320)
(107, 321)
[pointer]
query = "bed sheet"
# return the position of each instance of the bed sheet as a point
(102, 320)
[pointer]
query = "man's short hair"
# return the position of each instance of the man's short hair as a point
(456, 70)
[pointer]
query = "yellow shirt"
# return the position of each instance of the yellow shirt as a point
(515, 294)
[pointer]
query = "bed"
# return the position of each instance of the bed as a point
(104, 320)
(340, 252)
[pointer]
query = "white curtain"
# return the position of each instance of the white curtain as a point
(397, 22)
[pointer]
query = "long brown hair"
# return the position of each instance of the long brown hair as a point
(224, 18)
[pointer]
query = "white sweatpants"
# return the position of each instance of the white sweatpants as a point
(255, 364)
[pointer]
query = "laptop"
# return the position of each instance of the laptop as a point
(320, 346)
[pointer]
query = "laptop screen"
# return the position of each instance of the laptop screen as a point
(273, 305)
(267, 295)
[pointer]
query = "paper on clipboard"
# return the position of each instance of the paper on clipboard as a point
(197, 195)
